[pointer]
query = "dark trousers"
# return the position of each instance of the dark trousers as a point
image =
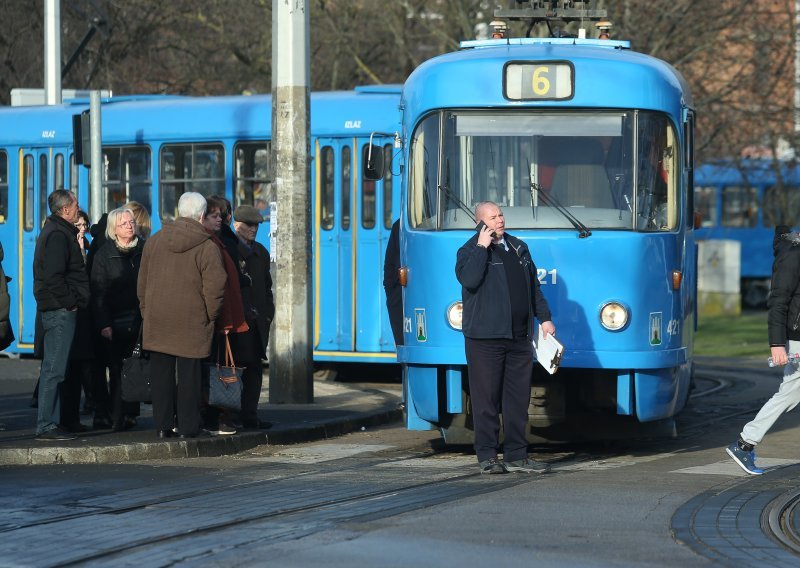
(69, 391)
(500, 372)
(187, 394)
(59, 328)
(252, 379)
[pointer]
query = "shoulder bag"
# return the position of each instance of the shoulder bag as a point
(225, 382)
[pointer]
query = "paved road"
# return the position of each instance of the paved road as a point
(394, 498)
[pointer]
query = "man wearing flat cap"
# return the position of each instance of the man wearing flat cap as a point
(259, 309)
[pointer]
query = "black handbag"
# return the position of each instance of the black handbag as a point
(125, 322)
(225, 382)
(136, 374)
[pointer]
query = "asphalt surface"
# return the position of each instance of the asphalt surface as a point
(338, 408)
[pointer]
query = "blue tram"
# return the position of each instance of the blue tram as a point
(744, 202)
(587, 147)
(157, 147)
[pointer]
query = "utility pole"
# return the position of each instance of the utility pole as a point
(52, 52)
(97, 197)
(291, 370)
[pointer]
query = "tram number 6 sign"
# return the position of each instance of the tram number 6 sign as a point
(551, 80)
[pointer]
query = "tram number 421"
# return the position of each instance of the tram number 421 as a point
(542, 274)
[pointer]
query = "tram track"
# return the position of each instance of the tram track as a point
(780, 519)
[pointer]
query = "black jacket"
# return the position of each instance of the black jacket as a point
(259, 294)
(484, 290)
(59, 273)
(783, 320)
(114, 277)
(6, 333)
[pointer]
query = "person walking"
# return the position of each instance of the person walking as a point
(181, 287)
(259, 311)
(115, 306)
(501, 297)
(61, 287)
(782, 327)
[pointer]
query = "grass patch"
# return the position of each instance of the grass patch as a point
(733, 336)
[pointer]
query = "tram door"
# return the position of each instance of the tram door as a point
(376, 209)
(41, 170)
(334, 276)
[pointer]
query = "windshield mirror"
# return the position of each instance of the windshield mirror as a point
(586, 162)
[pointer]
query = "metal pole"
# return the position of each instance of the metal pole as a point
(291, 372)
(52, 52)
(96, 205)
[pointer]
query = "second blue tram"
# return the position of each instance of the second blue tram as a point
(587, 147)
(744, 202)
(157, 147)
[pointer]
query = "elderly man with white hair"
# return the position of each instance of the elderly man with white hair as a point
(180, 288)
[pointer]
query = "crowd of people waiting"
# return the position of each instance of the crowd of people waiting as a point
(186, 289)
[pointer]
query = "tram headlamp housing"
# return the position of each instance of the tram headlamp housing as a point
(454, 315)
(614, 316)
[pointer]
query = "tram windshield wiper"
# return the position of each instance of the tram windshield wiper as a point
(445, 188)
(550, 201)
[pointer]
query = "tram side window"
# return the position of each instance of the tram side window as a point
(74, 185)
(3, 187)
(326, 188)
(658, 165)
(781, 205)
(27, 206)
(367, 197)
(43, 193)
(739, 207)
(58, 172)
(387, 186)
(190, 167)
(253, 175)
(705, 203)
(127, 176)
(423, 175)
(346, 181)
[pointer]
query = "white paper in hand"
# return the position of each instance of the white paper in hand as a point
(548, 351)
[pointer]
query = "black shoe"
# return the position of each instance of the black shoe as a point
(258, 424)
(492, 466)
(74, 428)
(56, 434)
(164, 434)
(101, 424)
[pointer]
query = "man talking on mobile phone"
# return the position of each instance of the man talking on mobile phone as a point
(501, 299)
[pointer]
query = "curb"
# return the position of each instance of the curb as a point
(193, 448)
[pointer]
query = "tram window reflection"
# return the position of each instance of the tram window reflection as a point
(326, 187)
(253, 175)
(126, 176)
(739, 206)
(367, 197)
(28, 202)
(44, 210)
(346, 181)
(387, 187)
(705, 200)
(189, 167)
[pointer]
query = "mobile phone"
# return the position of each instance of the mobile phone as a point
(480, 227)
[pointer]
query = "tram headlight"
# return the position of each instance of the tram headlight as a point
(454, 313)
(613, 316)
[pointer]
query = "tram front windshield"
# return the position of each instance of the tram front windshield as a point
(610, 170)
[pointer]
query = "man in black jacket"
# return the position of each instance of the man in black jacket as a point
(259, 307)
(783, 327)
(60, 286)
(501, 297)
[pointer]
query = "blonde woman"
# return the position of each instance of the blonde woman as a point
(115, 305)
